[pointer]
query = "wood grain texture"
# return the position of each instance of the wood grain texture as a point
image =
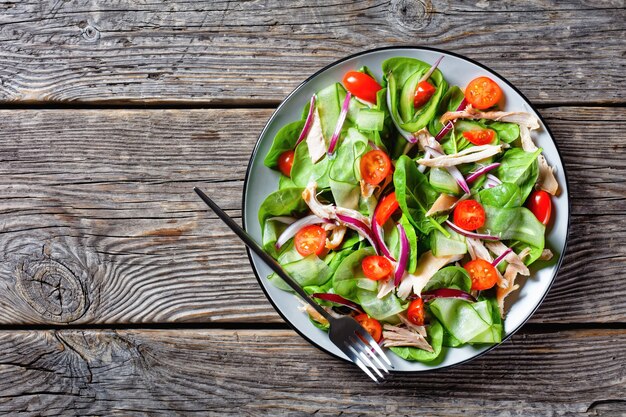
(224, 52)
(276, 373)
(99, 223)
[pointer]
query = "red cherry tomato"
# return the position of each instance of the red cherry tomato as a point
(310, 239)
(415, 312)
(469, 215)
(361, 85)
(376, 267)
(386, 208)
(375, 166)
(482, 273)
(372, 326)
(480, 137)
(423, 93)
(285, 162)
(482, 93)
(540, 204)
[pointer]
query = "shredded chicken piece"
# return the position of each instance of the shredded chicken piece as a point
(419, 329)
(546, 255)
(518, 117)
(444, 202)
(328, 211)
(471, 154)
(501, 294)
(399, 336)
(509, 285)
(511, 258)
(312, 312)
(424, 138)
(336, 237)
(315, 139)
(427, 265)
(546, 180)
(367, 190)
(386, 286)
(477, 249)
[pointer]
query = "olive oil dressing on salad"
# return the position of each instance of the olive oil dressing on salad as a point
(410, 204)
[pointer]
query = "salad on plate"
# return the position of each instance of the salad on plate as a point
(411, 204)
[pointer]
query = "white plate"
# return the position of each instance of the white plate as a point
(261, 181)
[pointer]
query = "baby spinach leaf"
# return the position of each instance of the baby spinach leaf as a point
(285, 140)
(516, 223)
(415, 196)
(450, 277)
(521, 168)
(349, 272)
(305, 171)
(505, 195)
(283, 202)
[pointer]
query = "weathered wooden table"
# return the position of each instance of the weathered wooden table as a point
(120, 295)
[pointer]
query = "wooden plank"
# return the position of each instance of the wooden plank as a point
(226, 52)
(99, 224)
(252, 373)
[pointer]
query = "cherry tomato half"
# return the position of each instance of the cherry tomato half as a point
(310, 239)
(375, 166)
(482, 273)
(423, 93)
(361, 85)
(540, 204)
(469, 215)
(480, 137)
(386, 208)
(415, 312)
(372, 326)
(376, 267)
(285, 162)
(482, 93)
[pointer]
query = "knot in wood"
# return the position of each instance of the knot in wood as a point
(52, 289)
(413, 15)
(90, 33)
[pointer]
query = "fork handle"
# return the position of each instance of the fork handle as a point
(256, 248)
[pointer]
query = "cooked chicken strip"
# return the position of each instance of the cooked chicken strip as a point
(315, 139)
(471, 154)
(427, 265)
(399, 336)
(518, 117)
(444, 202)
(336, 237)
(511, 258)
(328, 211)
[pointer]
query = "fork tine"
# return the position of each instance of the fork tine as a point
(369, 340)
(360, 364)
(364, 347)
(365, 357)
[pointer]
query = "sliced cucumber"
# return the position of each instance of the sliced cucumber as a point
(443, 182)
(369, 119)
(443, 246)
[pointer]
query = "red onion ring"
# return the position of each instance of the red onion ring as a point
(339, 125)
(309, 121)
(470, 234)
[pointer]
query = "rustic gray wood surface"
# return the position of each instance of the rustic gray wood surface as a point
(120, 295)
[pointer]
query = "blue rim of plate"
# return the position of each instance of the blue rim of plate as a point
(424, 48)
